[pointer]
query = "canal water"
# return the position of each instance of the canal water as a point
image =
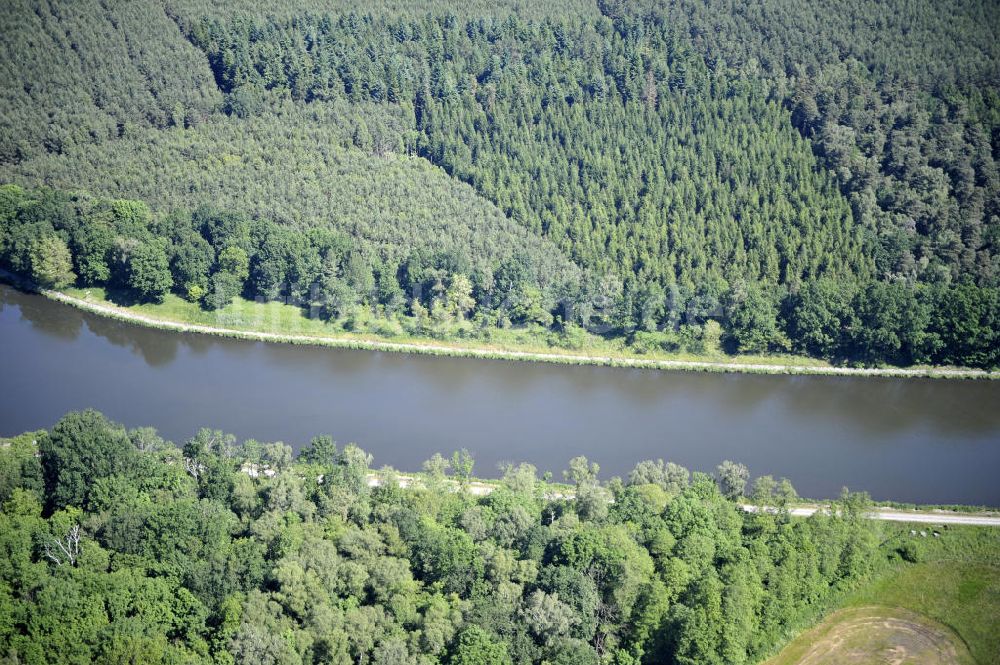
(919, 440)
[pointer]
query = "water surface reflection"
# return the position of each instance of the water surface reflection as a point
(914, 440)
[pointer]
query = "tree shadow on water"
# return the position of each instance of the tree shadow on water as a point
(45, 316)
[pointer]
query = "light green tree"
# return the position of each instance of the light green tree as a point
(459, 296)
(732, 478)
(436, 468)
(547, 616)
(477, 647)
(462, 463)
(51, 262)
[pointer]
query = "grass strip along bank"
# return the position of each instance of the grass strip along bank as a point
(278, 322)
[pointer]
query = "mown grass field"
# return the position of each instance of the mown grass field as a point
(949, 599)
(965, 596)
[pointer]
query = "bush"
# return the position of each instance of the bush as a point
(911, 552)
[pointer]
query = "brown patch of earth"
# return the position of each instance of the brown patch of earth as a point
(876, 636)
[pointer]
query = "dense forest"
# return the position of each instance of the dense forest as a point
(900, 101)
(212, 256)
(119, 546)
(647, 171)
(672, 176)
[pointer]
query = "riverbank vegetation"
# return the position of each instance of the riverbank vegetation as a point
(658, 175)
(281, 323)
(120, 546)
(232, 272)
(292, 323)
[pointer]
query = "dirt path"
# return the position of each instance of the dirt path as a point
(865, 635)
(939, 517)
(123, 314)
(481, 488)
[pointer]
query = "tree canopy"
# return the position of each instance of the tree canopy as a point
(646, 171)
(121, 546)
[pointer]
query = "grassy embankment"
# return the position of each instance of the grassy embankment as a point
(951, 595)
(276, 321)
